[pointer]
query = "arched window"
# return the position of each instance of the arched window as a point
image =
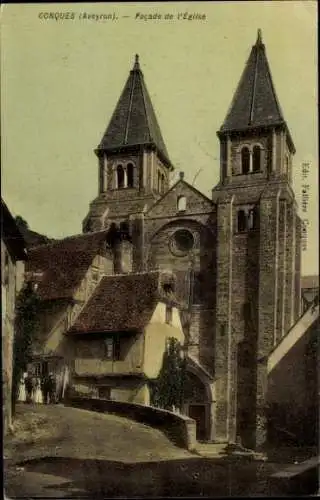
(242, 221)
(162, 183)
(159, 181)
(245, 160)
(253, 219)
(130, 175)
(120, 177)
(182, 203)
(256, 159)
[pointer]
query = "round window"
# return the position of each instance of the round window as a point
(182, 242)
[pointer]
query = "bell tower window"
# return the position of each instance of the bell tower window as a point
(245, 160)
(253, 219)
(256, 157)
(162, 183)
(242, 221)
(120, 177)
(130, 175)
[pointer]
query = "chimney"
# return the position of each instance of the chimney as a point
(119, 240)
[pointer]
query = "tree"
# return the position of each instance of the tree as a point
(21, 222)
(25, 334)
(168, 388)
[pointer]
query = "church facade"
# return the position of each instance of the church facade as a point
(235, 256)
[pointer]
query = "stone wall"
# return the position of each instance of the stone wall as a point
(178, 428)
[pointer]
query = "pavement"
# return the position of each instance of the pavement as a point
(78, 453)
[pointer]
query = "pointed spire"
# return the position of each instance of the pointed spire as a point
(134, 121)
(136, 66)
(255, 103)
(259, 37)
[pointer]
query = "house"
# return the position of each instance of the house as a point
(13, 256)
(65, 273)
(121, 334)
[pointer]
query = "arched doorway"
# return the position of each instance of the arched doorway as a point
(197, 405)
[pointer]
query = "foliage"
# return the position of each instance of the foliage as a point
(21, 222)
(168, 388)
(25, 334)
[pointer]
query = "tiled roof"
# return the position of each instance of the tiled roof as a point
(134, 120)
(255, 102)
(64, 263)
(120, 303)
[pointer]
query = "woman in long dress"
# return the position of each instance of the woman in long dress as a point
(22, 396)
(38, 393)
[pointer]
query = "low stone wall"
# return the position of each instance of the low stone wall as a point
(181, 430)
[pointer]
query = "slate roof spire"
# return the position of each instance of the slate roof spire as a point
(134, 121)
(255, 103)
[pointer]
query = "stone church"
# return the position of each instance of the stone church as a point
(234, 258)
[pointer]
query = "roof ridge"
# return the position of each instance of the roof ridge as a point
(73, 236)
(133, 73)
(143, 90)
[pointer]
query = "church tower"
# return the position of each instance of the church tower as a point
(133, 161)
(258, 250)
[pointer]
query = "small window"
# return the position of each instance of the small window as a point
(162, 183)
(256, 159)
(245, 160)
(130, 175)
(159, 181)
(222, 329)
(182, 203)
(168, 315)
(253, 219)
(108, 343)
(120, 177)
(242, 221)
(104, 392)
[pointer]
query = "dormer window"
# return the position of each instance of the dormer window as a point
(120, 177)
(182, 204)
(256, 159)
(130, 170)
(245, 160)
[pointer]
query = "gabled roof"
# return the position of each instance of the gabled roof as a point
(255, 103)
(64, 263)
(120, 303)
(11, 234)
(134, 121)
(184, 184)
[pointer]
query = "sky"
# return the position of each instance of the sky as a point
(61, 79)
